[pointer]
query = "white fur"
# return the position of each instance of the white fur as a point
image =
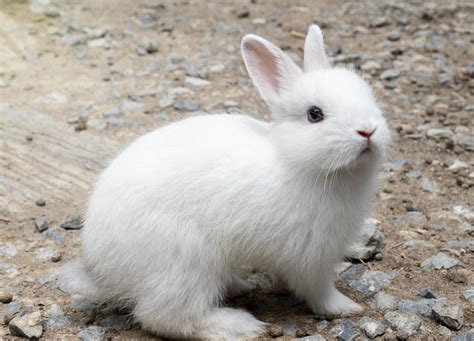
(182, 207)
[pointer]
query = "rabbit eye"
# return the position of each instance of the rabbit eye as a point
(315, 114)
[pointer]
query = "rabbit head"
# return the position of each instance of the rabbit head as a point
(325, 117)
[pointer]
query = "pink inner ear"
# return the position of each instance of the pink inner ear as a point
(266, 68)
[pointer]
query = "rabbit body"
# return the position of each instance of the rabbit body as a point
(183, 207)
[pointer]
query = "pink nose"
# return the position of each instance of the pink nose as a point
(365, 133)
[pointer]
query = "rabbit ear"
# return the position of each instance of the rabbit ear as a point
(315, 57)
(272, 71)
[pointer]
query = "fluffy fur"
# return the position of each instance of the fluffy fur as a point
(182, 207)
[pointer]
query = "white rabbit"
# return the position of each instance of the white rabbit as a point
(182, 207)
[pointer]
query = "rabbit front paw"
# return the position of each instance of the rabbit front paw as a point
(337, 304)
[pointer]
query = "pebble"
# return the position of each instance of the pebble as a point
(429, 185)
(289, 329)
(439, 133)
(28, 326)
(40, 202)
(448, 313)
(5, 297)
(403, 321)
(457, 165)
(428, 293)
(8, 311)
(384, 301)
(322, 325)
(352, 273)
(55, 234)
(369, 243)
(316, 337)
(196, 82)
(259, 21)
(73, 224)
(389, 75)
(243, 13)
(41, 224)
(131, 105)
(92, 333)
(334, 50)
(439, 261)
(419, 307)
(372, 281)
(7, 250)
(465, 227)
(372, 328)
(465, 141)
(394, 36)
(370, 66)
(345, 331)
(468, 295)
(466, 336)
(186, 105)
(57, 318)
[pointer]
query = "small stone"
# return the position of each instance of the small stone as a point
(345, 331)
(186, 105)
(92, 333)
(166, 102)
(196, 82)
(56, 257)
(5, 297)
(457, 165)
(429, 185)
(243, 13)
(403, 321)
(466, 336)
(7, 250)
(384, 301)
(335, 50)
(468, 295)
(352, 273)
(394, 36)
(259, 21)
(370, 241)
(316, 337)
(116, 112)
(41, 224)
(372, 281)
(439, 261)
(439, 133)
(57, 319)
(55, 234)
(230, 104)
(372, 328)
(150, 46)
(276, 331)
(419, 307)
(131, 105)
(465, 141)
(448, 313)
(289, 330)
(322, 325)
(73, 224)
(96, 33)
(217, 68)
(370, 66)
(28, 326)
(40, 202)
(428, 293)
(389, 75)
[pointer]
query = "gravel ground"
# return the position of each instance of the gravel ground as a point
(117, 69)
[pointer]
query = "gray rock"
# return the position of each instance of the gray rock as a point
(384, 301)
(73, 39)
(468, 295)
(390, 74)
(439, 261)
(8, 311)
(146, 20)
(369, 243)
(46, 280)
(186, 105)
(92, 333)
(41, 224)
(96, 33)
(372, 328)
(403, 321)
(429, 185)
(428, 293)
(372, 281)
(415, 217)
(116, 112)
(419, 307)
(57, 318)
(438, 134)
(45, 253)
(79, 303)
(28, 326)
(353, 272)
(243, 13)
(415, 243)
(345, 331)
(321, 325)
(465, 141)
(55, 234)
(461, 244)
(466, 336)
(334, 50)
(196, 82)
(448, 313)
(414, 174)
(5, 297)
(394, 36)
(289, 329)
(465, 227)
(73, 224)
(7, 250)
(131, 105)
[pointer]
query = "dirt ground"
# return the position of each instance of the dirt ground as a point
(80, 79)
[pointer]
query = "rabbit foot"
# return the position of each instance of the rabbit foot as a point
(337, 304)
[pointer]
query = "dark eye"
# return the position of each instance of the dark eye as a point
(315, 114)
